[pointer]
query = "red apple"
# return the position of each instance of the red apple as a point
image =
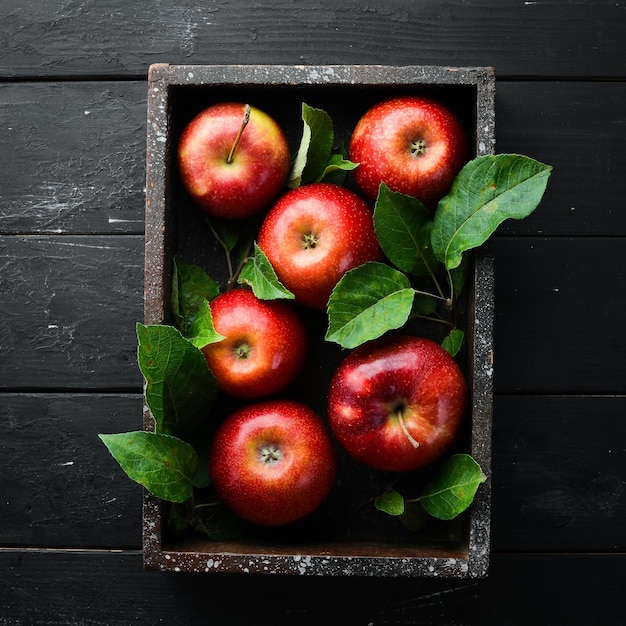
(272, 462)
(313, 235)
(233, 162)
(414, 145)
(264, 348)
(396, 403)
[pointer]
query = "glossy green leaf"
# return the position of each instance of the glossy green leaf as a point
(390, 502)
(202, 331)
(454, 488)
(164, 465)
(315, 147)
(487, 191)
(191, 286)
(368, 301)
(259, 274)
(180, 388)
(452, 342)
(459, 275)
(403, 225)
(337, 164)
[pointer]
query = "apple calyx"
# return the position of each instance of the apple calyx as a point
(270, 454)
(309, 241)
(398, 410)
(242, 351)
(418, 146)
(244, 123)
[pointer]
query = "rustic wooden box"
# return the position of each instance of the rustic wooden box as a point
(376, 545)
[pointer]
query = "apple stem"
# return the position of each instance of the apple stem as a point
(244, 123)
(405, 430)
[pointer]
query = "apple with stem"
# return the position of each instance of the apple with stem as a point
(233, 160)
(415, 145)
(272, 462)
(397, 403)
(264, 346)
(313, 235)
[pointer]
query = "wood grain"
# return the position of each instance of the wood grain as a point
(522, 39)
(522, 590)
(87, 140)
(69, 307)
(77, 157)
(61, 487)
(559, 473)
(72, 119)
(579, 128)
(560, 321)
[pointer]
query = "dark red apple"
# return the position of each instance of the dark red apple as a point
(233, 160)
(272, 462)
(264, 348)
(313, 235)
(396, 403)
(414, 145)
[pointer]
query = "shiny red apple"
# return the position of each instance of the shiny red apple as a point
(272, 462)
(313, 235)
(233, 160)
(264, 346)
(397, 403)
(415, 145)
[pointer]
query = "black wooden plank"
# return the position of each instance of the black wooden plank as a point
(579, 129)
(69, 307)
(70, 304)
(60, 486)
(121, 38)
(559, 473)
(559, 315)
(62, 489)
(111, 589)
(77, 157)
(78, 152)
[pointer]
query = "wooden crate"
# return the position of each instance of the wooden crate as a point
(325, 543)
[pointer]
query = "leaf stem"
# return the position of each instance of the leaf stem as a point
(245, 258)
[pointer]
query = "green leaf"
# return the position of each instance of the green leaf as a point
(403, 225)
(202, 331)
(458, 276)
(453, 342)
(390, 502)
(368, 301)
(453, 490)
(191, 286)
(180, 388)
(315, 147)
(487, 191)
(337, 163)
(164, 465)
(225, 231)
(259, 274)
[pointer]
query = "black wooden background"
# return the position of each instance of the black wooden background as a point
(72, 150)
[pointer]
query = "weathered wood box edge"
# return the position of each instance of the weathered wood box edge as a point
(471, 560)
